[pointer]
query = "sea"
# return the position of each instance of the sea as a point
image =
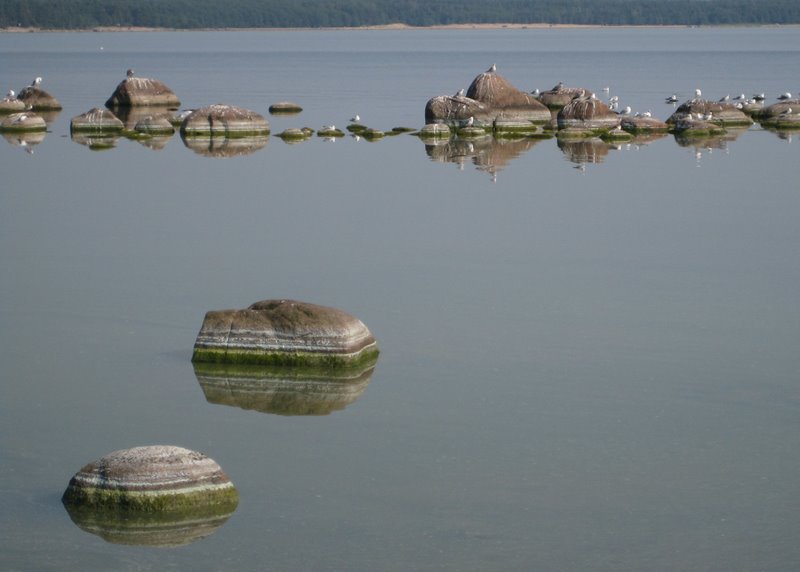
(589, 351)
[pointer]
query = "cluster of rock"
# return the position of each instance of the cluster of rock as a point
(276, 356)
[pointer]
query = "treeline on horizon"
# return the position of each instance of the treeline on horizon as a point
(188, 14)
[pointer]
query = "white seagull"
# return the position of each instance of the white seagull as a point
(130, 73)
(36, 82)
(459, 93)
(698, 94)
(492, 69)
(355, 118)
(785, 96)
(672, 98)
(470, 121)
(11, 94)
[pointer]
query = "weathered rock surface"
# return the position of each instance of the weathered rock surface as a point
(23, 122)
(96, 120)
(435, 131)
(560, 95)
(141, 91)
(489, 96)
(224, 121)
(38, 99)
(285, 332)
(157, 478)
(586, 112)
(720, 113)
(282, 390)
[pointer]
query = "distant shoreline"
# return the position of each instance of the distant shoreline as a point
(535, 26)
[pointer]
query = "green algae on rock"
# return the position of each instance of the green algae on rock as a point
(285, 332)
(156, 478)
(282, 390)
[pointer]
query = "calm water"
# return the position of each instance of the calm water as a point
(585, 365)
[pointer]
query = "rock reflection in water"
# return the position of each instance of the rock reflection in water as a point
(154, 529)
(95, 142)
(25, 141)
(581, 151)
(282, 390)
(710, 142)
(225, 146)
(487, 153)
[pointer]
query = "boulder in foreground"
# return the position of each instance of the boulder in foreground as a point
(285, 332)
(157, 478)
(224, 121)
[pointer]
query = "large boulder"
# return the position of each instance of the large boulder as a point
(489, 97)
(716, 112)
(142, 91)
(587, 113)
(224, 121)
(38, 99)
(285, 332)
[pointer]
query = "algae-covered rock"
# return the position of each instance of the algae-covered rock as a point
(22, 122)
(285, 108)
(224, 120)
(435, 131)
(330, 131)
(293, 134)
(372, 134)
(142, 91)
(285, 332)
(156, 478)
(282, 390)
(96, 120)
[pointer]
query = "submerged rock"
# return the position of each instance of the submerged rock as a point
(587, 112)
(141, 91)
(156, 478)
(38, 99)
(285, 332)
(435, 131)
(96, 120)
(282, 390)
(293, 134)
(23, 122)
(221, 120)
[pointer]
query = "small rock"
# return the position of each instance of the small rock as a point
(96, 120)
